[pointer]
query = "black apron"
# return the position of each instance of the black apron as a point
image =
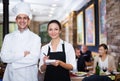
(58, 73)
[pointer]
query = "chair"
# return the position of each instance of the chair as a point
(97, 78)
(117, 77)
(89, 66)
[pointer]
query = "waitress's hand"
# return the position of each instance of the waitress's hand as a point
(43, 67)
(45, 58)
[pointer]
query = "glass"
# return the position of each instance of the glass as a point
(118, 69)
(104, 69)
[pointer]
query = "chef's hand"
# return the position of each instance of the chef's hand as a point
(26, 53)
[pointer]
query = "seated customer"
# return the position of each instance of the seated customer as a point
(86, 53)
(80, 60)
(104, 59)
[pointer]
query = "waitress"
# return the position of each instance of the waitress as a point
(61, 51)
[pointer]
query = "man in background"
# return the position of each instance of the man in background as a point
(86, 53)
(80, 60)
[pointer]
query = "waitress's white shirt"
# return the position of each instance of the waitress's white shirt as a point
(69, 51)
(20, 68)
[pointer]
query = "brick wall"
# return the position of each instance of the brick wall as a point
(113, 27)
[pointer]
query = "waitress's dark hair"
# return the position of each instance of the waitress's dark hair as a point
(104, 46)
(54, 21)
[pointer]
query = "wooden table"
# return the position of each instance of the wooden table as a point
(76, 78)
(115, 77)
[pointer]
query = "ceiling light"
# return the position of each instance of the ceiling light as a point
(54, 5)
(56, 0)
(53, 8)
(67, 14)
(51, 12)
(50, 15)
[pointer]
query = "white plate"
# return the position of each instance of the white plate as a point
(105, 73)
(116, 72)
(80, 73)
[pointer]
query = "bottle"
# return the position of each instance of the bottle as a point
(97, 69)
(118, 69)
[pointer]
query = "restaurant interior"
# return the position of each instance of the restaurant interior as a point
(84, 22)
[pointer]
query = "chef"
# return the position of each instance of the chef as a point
(21, 49)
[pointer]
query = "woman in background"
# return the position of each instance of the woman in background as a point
(105, 60)
(61, 51)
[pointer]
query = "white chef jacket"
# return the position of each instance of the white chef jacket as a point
(69, 51)
(20, 68)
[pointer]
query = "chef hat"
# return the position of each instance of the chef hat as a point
(22, 8)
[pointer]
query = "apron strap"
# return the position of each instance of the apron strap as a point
(48, 50)
(63, 48)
